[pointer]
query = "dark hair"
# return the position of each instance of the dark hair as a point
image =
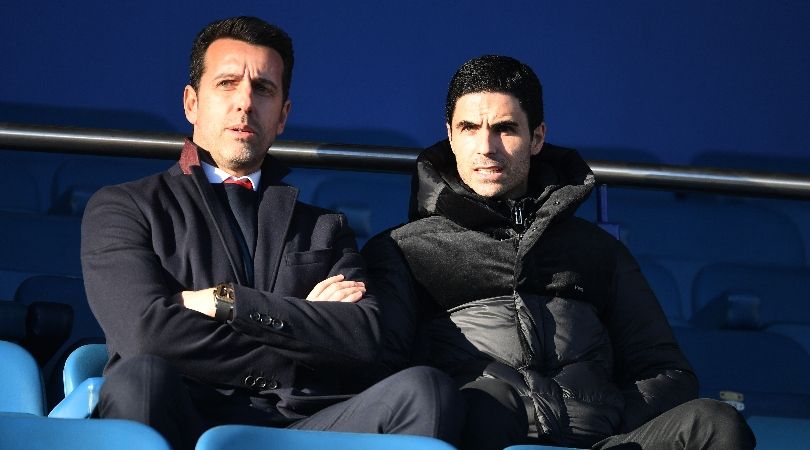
(493, 73)
(252, 30)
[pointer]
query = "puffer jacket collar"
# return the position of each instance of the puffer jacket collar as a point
(559, 181)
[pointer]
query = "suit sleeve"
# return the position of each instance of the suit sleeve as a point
(652, 372)
(130, 293)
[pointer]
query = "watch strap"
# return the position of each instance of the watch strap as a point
(225, 298)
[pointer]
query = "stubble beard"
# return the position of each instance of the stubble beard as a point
(243, 156)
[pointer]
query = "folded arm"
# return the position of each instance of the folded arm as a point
(134, 298)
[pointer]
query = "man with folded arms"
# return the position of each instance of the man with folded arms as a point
(223, 299)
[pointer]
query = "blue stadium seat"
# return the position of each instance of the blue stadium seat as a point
(78, 178)
(82, 381)
(771, 294)
(85, 362)
(22, 185)
(759, 372)
(35, 243)
(68, 291)
(775, 299)
(686, 233)
(25, 432)
(21, 386)
(780, 433)
(798, 332)
(246, 437)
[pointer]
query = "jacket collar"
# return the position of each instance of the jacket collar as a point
(559, 181)
(272, 169)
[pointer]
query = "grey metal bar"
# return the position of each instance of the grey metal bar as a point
(362, 157)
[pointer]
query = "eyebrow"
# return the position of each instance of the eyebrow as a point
(259, 80)
(505, 123)
(499, 124)
(467, 124)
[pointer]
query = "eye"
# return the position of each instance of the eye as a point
(505, 128)
(263, 89)
(226, 83)
(467, 126)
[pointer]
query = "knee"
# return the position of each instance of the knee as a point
(428, 385)
(728, 424)
(705, 409)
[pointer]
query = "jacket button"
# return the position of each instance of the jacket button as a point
(272, 384)
(277, 324)
(256, 316)
(266, 320)
(250, 380)
(261, 382)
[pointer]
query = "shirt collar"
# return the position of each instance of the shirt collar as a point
(216, 175)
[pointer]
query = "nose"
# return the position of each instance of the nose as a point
(243, 100)
(488, 142)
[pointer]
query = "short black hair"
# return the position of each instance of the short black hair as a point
(494, 73)
(252, 30)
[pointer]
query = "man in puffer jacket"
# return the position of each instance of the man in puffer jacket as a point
(544, 320)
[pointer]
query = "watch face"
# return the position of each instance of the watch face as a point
(224, 292)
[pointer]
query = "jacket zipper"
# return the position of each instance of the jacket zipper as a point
(517, 213)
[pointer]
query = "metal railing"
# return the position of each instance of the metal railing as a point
(398, 159)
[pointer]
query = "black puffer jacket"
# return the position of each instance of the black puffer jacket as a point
(555, 306)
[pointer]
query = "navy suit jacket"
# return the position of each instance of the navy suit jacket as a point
(146, 240)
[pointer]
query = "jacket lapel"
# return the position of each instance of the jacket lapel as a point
(218, 217)
(275, 213)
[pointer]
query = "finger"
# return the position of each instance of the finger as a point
(354, 298)
(319, 288)
(330, 290)
(342, 294)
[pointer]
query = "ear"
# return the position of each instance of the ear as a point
(190, 104)
(449, 132)
(538, 138)
(282, 120)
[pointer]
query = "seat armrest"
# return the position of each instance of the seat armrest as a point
(81, 402)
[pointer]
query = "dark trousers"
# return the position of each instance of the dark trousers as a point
(496, 419)
(417, 401)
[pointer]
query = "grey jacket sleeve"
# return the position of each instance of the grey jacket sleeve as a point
(651, 370)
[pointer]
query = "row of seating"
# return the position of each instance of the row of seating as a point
(23, 424)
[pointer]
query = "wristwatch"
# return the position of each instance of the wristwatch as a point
(224, 298)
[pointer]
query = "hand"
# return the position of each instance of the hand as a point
(201, 301)
(335, 289)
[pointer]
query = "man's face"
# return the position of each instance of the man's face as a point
(238, 110)
(493, 144)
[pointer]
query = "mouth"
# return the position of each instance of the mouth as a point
(488, 170)
(242, 130)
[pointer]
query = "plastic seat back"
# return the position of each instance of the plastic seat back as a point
(245, 437)
(85, 362)
(21, 388)
(23, 432)
(82, 381)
